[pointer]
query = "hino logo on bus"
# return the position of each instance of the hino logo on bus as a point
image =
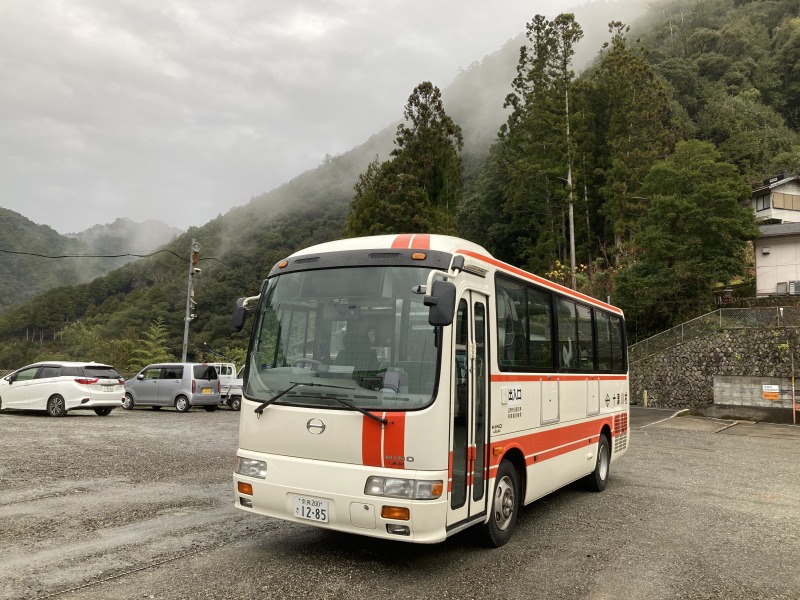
(315, 426)
(390, 458)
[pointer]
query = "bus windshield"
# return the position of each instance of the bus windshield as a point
(358, 335)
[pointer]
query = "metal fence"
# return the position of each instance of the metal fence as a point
(723, 318)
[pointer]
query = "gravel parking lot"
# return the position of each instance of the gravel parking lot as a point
(139, 504)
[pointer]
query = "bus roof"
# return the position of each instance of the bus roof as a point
(413, 241)
(449, 244)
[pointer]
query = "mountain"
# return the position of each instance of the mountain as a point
(29, 267)
(240, 247)
(125, 236)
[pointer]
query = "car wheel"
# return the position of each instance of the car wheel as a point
(210, 408)
(103, 411)
(598, 479)
(127, 402)
(182, 404)
(235, 403)
(503, 507)
(56, 407)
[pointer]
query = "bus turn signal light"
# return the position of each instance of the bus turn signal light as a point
(397, 513)
(244, 488)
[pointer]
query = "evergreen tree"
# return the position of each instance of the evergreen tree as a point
(633, 116)
(536, 147)
(419, 188)
(693, 235)
(152, 347)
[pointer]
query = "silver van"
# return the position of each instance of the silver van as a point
(181, 385)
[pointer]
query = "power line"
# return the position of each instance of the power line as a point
(89, 255)
(107, 255)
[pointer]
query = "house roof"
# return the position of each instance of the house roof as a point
(775, 182)
(781, 229)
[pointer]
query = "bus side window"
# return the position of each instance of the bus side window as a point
(567, 335)
(511, 325)
(585, 338)
(603, 342)
(540, 336)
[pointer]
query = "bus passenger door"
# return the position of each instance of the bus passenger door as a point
(468, 459)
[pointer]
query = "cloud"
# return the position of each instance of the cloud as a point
(180, 109)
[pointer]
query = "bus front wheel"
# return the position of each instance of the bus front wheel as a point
(504, 506)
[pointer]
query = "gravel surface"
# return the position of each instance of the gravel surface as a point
(139, 504)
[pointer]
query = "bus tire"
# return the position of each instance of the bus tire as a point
(504, 507)
(598, 479)
(182, 404)
(56, 406)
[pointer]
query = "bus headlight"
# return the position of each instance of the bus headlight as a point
(250, 468)
(411, 489)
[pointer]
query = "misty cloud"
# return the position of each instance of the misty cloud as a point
(179, 110)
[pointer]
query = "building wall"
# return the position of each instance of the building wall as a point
(786, 216)
(781, 263)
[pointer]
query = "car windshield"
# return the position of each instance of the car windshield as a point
(357, 334)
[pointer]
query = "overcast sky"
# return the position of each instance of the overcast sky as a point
(178, 110)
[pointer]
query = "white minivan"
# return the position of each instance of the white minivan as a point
(59, 387)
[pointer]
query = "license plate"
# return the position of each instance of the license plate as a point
(206, 390)
(313, 509)
(109, 388)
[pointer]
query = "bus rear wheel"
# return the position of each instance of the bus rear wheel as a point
(597, 480)
(504, 506)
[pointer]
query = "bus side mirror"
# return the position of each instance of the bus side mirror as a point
(441, 303)
(238, 316)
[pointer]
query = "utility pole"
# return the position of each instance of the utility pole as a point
(193, 270)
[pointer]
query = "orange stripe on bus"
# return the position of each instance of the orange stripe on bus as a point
(371, 438)
(557, 377)
(554, 442)
(402, 241)
(421, 241)
(394, 441)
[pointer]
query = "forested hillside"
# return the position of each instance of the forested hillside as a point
(704, 97)
(26, 270)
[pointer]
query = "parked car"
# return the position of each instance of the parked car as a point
(59, 387)
(181, 385)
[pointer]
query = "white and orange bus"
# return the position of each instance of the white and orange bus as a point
(410, 386)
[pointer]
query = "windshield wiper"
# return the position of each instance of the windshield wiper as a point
(260, 408)
(363, 411)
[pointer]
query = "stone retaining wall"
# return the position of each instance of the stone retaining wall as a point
(683, 376)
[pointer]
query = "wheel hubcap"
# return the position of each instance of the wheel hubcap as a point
(503, 503)
(602, 463)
